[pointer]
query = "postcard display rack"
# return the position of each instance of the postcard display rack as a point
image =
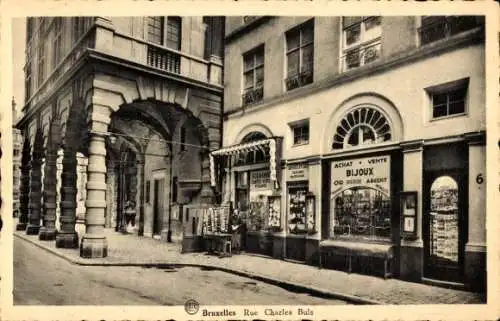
(216, 233)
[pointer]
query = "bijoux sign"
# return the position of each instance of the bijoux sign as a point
(372, 172)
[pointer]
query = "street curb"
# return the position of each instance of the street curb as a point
(301, 288)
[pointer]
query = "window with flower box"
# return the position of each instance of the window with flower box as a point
(361, 41)
(253, 76)
(300, 56)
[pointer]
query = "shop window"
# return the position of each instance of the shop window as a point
(300, 56)
(361, 212)
(300, 132)
(362, 126)
(253, 76)
(297, 209)
(361, 41)
(444, 229)
(434, 28)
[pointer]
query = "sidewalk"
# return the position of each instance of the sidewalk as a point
(131, 250)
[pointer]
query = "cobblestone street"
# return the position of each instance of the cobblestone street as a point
(66, 284)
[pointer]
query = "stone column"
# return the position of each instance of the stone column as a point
(94, 243)
(60, 155)
(67, 237)
(110, 181)
(48, 231)
(207, 193)
(35, 203)
(475, 248)
(142, 197)
(411, 259)
(25, 185)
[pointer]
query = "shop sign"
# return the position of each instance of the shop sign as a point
(369, 172)
(260, 180)
(297, 172)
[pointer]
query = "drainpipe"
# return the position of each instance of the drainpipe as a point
(142, 196)
(169, 231)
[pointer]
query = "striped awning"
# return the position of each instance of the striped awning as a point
(245, 148)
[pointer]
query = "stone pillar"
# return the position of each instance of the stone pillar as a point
(475, 248)
(94, 243)
(411, 258)
(25, 185)
(81, 189)
(67, 237)
(35, 203)
(214, 48)
(142, 197)
(207, 193)
(48, 231)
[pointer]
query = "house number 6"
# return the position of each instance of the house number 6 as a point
(479, 179)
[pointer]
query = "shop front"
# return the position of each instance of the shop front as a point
(252, 188)
(361, 220)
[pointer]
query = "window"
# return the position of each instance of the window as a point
(362, 126)
(253, 76)
(155, 30)
(27, 82)
(41, 64)
(300, 132)
(449, 103)
(57, 43)
(174, 33)
(254, 156)
(300, 55)
(361, 41)
(361, 212)
(183, 138)
(448, 99)
(434, 28)
(78, 27)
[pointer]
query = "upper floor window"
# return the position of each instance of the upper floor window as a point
(78, 27)
(449, 99)
(174, 32)
(27, 82)
(364, 125)
(57, 43)
(300, 55)
(300, 132)
(253, 75)
(434, 28)
(41, 64)
(361, 41)
(156, 31)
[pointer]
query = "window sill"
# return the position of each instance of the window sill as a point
(435, 119)
(300, 144)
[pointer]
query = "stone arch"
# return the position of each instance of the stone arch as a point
(255, 127)
(371, 101)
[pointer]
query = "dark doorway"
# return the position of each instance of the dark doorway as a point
(444, 224)
(158, 205)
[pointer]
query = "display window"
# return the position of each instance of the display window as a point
(297, 209)
(362, 213)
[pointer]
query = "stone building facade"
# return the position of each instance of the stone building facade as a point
(371, 132)
(119, 119)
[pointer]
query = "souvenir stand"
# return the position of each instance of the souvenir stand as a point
(216, 230)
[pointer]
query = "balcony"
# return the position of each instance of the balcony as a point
(435, 28)
(360, 56)
(163, 59)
